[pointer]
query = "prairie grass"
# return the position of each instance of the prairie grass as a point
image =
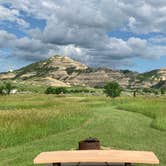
(30, 124)
(36, 117)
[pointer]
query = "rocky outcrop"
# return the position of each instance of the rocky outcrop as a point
(53, 82)
(8, 75)
(99, 78)
(160, 84)
(151, 79)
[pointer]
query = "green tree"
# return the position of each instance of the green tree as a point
(2, 90)
(49, 90)
(112, 89)
(8, 87)
(163, 90)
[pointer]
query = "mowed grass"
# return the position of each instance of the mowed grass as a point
(154, 107)
(30, 124)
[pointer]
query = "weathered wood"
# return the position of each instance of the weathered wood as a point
(112, 156)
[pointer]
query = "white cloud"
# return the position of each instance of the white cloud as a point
(145, 16)
(79, 28)
(12, 15)
(6, 38)
(158, 40)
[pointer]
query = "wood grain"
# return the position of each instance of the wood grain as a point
(113, 156)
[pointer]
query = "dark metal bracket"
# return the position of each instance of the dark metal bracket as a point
(56, 164)
(78, 164)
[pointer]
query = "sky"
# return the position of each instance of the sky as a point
(119, 34)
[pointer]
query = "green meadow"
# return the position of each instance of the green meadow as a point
(32, 123)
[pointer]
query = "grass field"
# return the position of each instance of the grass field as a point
(30, 124)
(153, 107)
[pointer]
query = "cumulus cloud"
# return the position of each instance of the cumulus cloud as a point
(145, 16)
(6, 38)
(80, 28)
(25, 48)
(12, 15)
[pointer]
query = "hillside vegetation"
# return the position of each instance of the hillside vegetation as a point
(63, 71)
(30, 124)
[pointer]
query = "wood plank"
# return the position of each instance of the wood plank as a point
(113, 156)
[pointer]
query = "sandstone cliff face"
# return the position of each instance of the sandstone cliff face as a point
(63, 71)
(8, 75)
(162, 74)
(151, 79)
(64, 63)
(99, 78)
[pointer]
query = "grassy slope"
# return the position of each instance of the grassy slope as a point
(115, 128)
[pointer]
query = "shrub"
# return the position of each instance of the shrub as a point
(155, 91)
(58, 90)
(147, 90)
(151, 90)
(112, 89)
(6, 88)
(70, 70)
(163, 90)
(55, 90)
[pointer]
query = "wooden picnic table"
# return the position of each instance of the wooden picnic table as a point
(102, 156)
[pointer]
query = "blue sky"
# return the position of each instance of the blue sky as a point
(100, 33)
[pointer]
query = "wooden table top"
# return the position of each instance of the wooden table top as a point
(112, 156)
